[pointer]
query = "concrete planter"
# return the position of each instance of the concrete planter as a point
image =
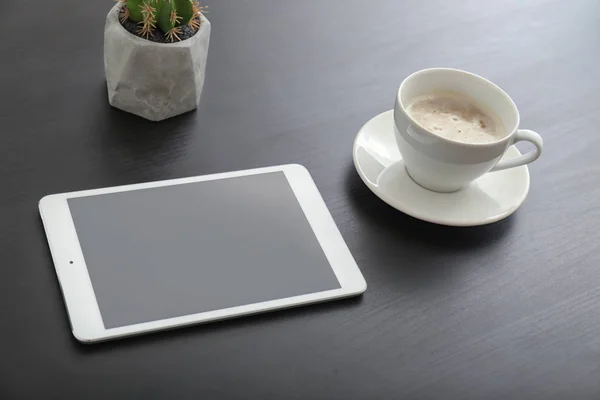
(153, 80)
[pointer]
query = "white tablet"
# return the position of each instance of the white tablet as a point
(152, 256)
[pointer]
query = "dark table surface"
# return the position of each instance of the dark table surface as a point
(510, 310)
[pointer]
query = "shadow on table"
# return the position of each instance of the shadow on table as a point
(409, 254)
(139, 136)
(396, 224)
(229, 328)
(127, 141)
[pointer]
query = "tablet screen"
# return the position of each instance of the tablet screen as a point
(177, 250)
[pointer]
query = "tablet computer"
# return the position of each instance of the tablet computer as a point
(140, 258)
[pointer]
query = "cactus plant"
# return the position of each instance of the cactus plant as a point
(167, 15)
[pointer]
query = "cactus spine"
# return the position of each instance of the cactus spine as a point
(167, 15)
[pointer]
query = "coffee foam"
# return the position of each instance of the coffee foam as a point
(455, 117)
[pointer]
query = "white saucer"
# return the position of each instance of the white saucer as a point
(490, 198)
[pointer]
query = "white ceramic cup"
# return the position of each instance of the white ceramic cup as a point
(445, 165)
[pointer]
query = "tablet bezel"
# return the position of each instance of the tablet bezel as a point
(76, 285)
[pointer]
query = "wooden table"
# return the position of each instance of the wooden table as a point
(506, 311)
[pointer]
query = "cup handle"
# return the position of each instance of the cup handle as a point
(520, 136)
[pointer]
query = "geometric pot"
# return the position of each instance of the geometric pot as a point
(153, 80)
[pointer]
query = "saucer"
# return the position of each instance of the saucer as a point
(492, 197)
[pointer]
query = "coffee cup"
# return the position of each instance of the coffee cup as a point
(443, 163)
